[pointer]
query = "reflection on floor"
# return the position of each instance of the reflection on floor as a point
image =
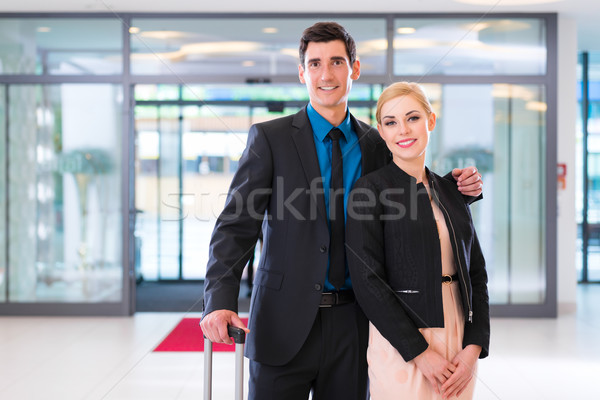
(111, 358)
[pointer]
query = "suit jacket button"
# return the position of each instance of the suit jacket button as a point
(323, 249)
(318, 287)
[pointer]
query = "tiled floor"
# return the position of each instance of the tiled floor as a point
(111, 358)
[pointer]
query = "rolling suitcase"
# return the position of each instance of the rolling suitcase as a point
(239, 338)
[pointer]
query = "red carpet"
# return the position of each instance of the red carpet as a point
(187, 336)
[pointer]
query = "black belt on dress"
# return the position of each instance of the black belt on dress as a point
(449, 278)
(330, 299)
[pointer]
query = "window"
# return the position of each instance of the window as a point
(64, 199)
(253, 48)
(59, 46)
(467, 46)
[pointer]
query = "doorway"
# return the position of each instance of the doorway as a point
(187, 151)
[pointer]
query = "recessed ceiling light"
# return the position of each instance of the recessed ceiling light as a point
(44, 29)
(270, 30)
(406, 30)
(134, 30)
(502, 25)
(476, 26)
(220, 47)
(163, 35)
(536, 106)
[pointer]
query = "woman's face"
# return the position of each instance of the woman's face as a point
(405, 127)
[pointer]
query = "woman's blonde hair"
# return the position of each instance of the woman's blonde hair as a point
(403, 89)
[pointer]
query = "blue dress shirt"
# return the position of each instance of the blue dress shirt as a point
(351, 161)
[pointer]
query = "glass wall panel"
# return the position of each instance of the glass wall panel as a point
(213, 142)
(594, 204)
(579, 174)
(181, 184)
(146, 192)
(3, 185)
(158, 191)
(250, 47)
(593, 147)
(451, 46)
(588, 208)
(501, 130)
(64, 193)
(169, 206)
(60, 46)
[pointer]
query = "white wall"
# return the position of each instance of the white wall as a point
(567, 117)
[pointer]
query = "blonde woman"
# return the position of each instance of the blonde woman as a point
(416, 264)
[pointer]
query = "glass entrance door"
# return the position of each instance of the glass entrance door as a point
(187, 151)
(184, 164)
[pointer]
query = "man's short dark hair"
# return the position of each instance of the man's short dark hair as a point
(327, 32)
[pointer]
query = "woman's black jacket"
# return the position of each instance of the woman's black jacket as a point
(394, 258)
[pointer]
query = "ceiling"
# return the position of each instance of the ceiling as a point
(584, 12)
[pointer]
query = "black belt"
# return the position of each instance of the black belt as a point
(449, 278)
(331, 299)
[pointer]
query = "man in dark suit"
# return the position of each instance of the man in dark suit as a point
(306, 332)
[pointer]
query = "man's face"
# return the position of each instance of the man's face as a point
(328, 76)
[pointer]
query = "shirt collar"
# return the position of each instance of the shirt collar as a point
(321, 126)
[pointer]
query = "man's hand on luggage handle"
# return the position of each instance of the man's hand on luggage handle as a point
(214, 325)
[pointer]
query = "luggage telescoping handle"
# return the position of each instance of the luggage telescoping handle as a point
(238, 334)
(239, 338)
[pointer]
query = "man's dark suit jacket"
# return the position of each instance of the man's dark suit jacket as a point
(278, 181)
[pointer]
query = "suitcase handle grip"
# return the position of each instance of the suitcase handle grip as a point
(238, 334)
(239, 337)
